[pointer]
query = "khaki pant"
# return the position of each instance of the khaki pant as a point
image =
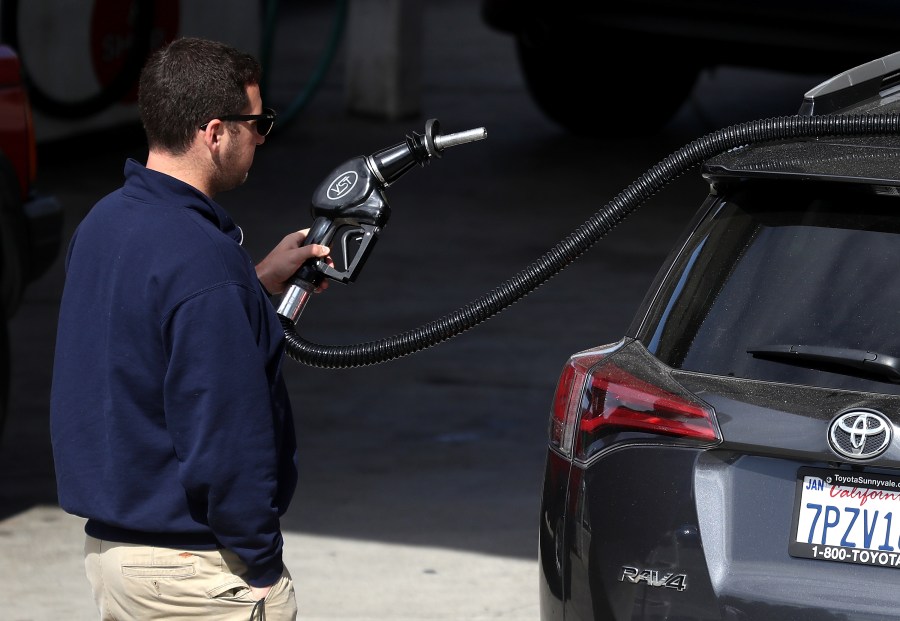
(142, 583)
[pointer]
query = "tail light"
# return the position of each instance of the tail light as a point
(600, 402)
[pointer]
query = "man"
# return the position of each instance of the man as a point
(171, 426)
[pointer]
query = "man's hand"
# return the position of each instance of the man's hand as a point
(285, 259)
(259, 593)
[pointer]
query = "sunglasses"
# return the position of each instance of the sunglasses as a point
(264, 122)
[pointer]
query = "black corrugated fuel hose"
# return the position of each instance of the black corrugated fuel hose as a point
(578, 242)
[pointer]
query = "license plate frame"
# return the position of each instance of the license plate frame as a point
(853, 517)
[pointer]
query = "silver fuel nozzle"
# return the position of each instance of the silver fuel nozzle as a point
(435, 142)
(451, 140)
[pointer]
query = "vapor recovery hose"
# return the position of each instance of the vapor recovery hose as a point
(578, 242)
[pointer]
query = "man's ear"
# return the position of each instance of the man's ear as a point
(212, 136)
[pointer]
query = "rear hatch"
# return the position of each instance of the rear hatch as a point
(781, 313)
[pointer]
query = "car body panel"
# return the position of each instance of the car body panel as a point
(628, 538)
(651, 51)
(822, 36)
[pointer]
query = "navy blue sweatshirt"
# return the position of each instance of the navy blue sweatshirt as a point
(170, 420)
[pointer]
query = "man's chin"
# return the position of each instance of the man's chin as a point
(233, 184)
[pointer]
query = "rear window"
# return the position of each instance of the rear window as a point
(781, 265)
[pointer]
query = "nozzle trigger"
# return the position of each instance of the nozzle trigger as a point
(355, 244)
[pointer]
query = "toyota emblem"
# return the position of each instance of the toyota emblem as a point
(860, 434)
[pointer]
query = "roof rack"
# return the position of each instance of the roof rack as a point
(875, 78)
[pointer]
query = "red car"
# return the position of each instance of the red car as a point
(30, 223)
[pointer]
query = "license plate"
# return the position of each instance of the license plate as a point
(848, 517)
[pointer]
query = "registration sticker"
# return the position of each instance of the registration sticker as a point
(849, 517)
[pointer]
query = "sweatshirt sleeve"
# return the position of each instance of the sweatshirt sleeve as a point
(225, 422)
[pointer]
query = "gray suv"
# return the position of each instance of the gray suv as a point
(735, 455)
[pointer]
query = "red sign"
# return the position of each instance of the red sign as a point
(112, 34)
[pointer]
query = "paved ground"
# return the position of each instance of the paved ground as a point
(420, 478)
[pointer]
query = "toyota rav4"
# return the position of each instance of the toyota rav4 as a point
(736, 454)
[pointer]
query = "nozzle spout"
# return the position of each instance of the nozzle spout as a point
(389, 164)
(451, 140)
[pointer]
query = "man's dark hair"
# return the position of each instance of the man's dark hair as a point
(188, 82)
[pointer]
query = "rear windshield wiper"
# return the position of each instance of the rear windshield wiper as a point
(874, 363)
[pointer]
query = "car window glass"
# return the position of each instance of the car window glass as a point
(786, 264)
